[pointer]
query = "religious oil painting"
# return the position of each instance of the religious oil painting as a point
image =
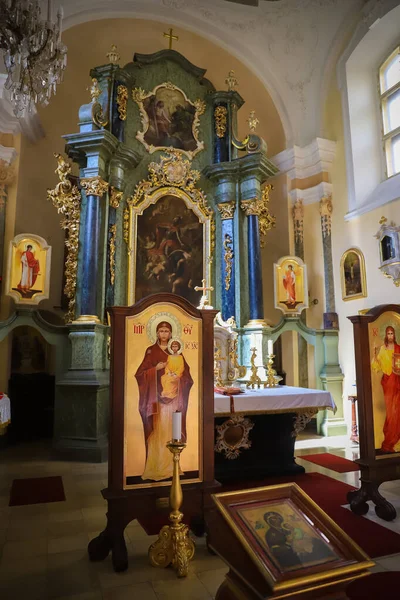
(352, 273)
(28, 271)
(384, 347)
(169, 119)
(163, 367)
(290, 278)
(169, 250)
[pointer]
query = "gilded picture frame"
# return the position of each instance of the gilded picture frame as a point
(352, 275)
(28, 269)
(151, 395)
(290, 285)
(179, 206)
(292, 542)
(169, 119)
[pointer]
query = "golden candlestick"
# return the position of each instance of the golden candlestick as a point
(254, 378)
(217, 368)
(272, 379)
(174, 546)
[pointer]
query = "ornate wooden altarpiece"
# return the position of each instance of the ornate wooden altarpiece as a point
(377, 354)
(139, 479)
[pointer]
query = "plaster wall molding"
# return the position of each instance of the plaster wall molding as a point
(311, 195)
(29, 124)
(300, 163)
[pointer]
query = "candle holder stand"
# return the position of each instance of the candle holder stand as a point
(272, 379)
(254, 378)
(174, 546)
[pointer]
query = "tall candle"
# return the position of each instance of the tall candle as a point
(49, 10)
(270, 347)
(176, 425)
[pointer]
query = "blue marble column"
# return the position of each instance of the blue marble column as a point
(226, 105)
(227, 211)
(95, 188)
(256, 304)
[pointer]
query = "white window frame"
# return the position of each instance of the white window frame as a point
(384, 96)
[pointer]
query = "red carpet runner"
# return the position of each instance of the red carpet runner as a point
(36, 490)
(331, 461)
(329, 494)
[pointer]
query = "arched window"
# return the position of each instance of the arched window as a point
(389, 80)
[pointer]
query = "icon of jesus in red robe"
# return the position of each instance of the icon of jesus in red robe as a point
(289, 283)
(387, 360)
(30, 269)
(155, 409)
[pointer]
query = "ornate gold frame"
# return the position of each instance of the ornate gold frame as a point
(171, 176)
(363, 293)
(139, 95)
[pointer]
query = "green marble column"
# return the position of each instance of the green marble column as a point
(298, 227)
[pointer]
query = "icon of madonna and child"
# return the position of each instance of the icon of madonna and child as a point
(164, 382)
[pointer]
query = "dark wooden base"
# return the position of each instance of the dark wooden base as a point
(146, 505)
(271, 452)
(369, 491)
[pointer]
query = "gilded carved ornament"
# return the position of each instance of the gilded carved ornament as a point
(253, 121)
(122, 99)
(298, 219)
(228, 259)
(115, 197)
(113, 55)
(325, 210)
(98, 117)
(220, 113)
(67, 200)
(227, 209)
(113, 232)
(233, 436)
(259, 207)
(94, 186)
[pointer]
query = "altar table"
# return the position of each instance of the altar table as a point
(276, 416)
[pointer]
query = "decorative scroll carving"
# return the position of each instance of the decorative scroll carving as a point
(113, 232)
(98, 116)
(115, 197)
(217, 367)
(94, 186)
(227, 209)
(67, 200)
(325, 210)
(220, 113)
(113, 55)
(122, 99)
(228, 259)
(301, 420)
(140, 96)
(233, 435)
(298, 220)
(259, 208)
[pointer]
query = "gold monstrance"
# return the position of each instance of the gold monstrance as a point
(174, 546)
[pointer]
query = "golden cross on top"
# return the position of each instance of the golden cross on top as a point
(204, 300)
(171, 37)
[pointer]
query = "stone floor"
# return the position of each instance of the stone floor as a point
(43, 552)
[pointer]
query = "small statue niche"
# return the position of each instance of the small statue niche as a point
(389, 250)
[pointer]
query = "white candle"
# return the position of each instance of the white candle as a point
(176, 425)
(270, 347)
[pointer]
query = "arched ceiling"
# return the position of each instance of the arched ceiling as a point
(287, 43)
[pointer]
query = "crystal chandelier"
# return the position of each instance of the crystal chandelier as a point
(34, 56)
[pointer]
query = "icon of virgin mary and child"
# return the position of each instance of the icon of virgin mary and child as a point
(164, 382)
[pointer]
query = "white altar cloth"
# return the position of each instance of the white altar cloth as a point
(5, 410)
(281, 399)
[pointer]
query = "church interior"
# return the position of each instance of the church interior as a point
(199, 299)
